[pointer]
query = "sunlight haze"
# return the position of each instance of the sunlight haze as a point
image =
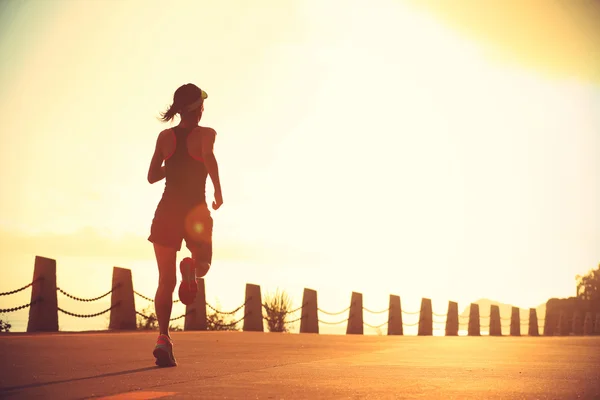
(370, 147)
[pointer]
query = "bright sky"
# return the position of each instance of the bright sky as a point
(361, 147)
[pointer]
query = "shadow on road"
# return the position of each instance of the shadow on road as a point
(35, 385)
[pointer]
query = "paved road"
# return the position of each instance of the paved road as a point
(248, 365)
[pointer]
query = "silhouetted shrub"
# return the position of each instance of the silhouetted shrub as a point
(277, 308)
(4, 326)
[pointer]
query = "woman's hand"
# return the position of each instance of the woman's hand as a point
(218, 201)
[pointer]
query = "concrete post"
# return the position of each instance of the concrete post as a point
(426, 318)
(563, 325)
(310, 317)
(253, 320)
(395, 316)
(495, 324)
(195, 313)
(355, 319)
(550, 322)
(533, 323)
(515, 322)
(452, 319)
(577, 323)
(43, 313)
(474, 325)
(588, 324)
(122, 316)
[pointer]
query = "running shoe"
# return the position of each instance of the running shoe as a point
(163, 351)
(188, 287)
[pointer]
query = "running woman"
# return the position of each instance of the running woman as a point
(182, 213)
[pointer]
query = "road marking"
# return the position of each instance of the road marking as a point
(137, 395)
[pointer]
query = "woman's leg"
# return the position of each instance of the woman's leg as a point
(198, 238)
(201, 260)
(166, 259)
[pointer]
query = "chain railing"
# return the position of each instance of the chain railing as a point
(463, 320)
(90, 299)
(151, 299)
(39, 299)
(375, 326)
(230, 324)
(463, 317)
(217, 311)
(334, 314)
(88, 315)
(18, 308)
(214, 309)
(24, 306)
(20, 289)
(87, 300)
(232, 312)
(171, 319)
(375, 312)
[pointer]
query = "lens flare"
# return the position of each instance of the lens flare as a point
(197, 224)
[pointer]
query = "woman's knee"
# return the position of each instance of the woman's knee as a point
(202, 268)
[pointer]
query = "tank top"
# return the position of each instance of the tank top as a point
(185, 177)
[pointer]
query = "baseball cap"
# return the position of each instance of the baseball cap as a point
(198, 102)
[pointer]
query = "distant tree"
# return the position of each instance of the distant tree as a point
(4, 326)
(277, 308)
(588, 286)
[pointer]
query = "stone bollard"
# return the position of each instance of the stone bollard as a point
(577, 323)
(474, 325)
(309, 322)
(426, 318)
(562, 328)
(195, 313)
(495, 324)
(550, 323)
(588, 324)
(43, 312)
(597, 324)
(122, 314)
(452, 319)
(355, 319)
(533, 323)
(395, 316)
(253, 316)
(515, 322)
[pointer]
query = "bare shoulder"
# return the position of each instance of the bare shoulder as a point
(165, 143)
(204, 131)
(201, 141)
(165, 133)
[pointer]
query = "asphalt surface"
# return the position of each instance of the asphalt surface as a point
(248, 365)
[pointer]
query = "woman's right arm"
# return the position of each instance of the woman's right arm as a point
(156, 172)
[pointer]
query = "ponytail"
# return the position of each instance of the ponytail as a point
(169, 114)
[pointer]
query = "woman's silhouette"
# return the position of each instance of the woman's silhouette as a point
(182, 213)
